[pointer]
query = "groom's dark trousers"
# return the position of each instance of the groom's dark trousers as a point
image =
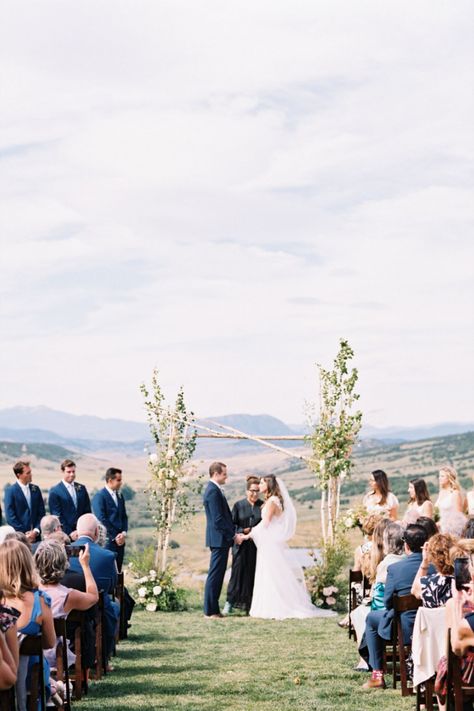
(220, 531)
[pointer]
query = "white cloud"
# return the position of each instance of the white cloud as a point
(225, 189)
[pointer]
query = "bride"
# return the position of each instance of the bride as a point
(279, 590)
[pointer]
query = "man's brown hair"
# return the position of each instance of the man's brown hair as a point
(67, 463)
(216, 468)
(19, 466)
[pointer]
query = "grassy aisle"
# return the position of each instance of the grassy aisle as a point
(183, 661)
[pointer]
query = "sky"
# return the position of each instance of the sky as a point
(225, 189)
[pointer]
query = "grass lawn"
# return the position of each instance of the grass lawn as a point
(183, 661)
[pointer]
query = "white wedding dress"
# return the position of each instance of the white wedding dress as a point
(279, 590)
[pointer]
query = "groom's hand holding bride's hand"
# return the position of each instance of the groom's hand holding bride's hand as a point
(238, 538)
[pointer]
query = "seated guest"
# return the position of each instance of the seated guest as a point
(468, 531)
(428, 524)
(435, 590)
(460, 620)
(51, 563)
(51, 529)
(19, 581)
(399, 580)
(368, 527)
(8, 669)
(369, 563)
(4, 531)
(393, 552)
(104, 570)
(8, 645)
(19, 536)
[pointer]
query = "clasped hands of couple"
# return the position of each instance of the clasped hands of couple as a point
(240, 537)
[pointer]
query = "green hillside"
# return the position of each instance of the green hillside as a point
(48, 452)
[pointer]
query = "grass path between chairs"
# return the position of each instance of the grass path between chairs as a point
(183, 661)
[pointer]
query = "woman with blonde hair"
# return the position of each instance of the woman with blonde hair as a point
(450, 498)
(19, 582)
(370, 564)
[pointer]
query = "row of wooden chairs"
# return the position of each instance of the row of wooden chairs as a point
(32, 646)
(396, 653)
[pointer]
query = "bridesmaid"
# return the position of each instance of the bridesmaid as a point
(450, 498)
(419, 503)
(380, 499)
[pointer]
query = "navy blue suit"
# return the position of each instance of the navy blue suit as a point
(378, 626)
(104, 570)
(18, 513)
(62, 505)
(113, 517)
(220, 531)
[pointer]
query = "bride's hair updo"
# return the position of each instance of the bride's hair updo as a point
(272, 488)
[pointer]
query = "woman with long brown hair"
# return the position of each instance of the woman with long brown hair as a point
(380, 499)
(279, 590)
(419, 503)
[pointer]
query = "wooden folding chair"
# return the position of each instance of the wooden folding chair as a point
(32, 646)
(356, 578)
(100, 669)
(8, 700)
(120, 597)
(62, 668)
(457, 693)
(401, 603)
(79, 676)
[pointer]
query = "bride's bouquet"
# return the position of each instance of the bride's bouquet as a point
(354, 518)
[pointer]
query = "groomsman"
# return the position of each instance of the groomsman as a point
(68, 500)
(109, 507)
(24, 505)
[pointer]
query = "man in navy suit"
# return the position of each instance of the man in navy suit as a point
(24, 505)
(104, 570)
(400, 577)
(68, 500)
(109, 507)
(220, 535)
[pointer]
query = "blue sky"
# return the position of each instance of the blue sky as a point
(224, 189)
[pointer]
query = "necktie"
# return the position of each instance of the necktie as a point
(28, 496)
(72, 491)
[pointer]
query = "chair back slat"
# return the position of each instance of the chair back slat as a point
(32, 646)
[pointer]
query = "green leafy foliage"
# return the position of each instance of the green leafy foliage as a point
(173, 482)
(326, 581)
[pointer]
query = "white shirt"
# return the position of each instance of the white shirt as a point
(218, 485)
(71, 490)
(113, 494)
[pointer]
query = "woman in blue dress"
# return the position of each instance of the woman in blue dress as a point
(19, 582)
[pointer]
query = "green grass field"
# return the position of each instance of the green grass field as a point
(183, 661)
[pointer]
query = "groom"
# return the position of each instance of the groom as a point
(220, 535)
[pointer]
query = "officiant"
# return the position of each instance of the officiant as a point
(246, 515)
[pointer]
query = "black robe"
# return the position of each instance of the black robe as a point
(244, 557)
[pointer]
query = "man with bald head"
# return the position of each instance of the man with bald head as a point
(103, 568)
(102, 561)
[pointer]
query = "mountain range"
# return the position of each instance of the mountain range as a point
(91, 433)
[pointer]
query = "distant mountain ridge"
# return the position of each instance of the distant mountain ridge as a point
(91, 433)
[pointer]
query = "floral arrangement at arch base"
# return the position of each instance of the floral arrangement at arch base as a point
(157, 592)
(326, 581)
